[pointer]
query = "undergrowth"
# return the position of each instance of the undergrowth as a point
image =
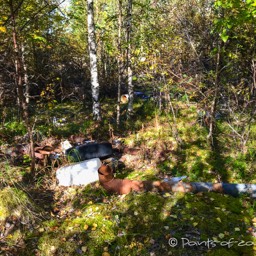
(89, 221)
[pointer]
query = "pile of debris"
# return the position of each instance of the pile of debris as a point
(47, 149)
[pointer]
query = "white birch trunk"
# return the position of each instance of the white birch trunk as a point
(25, 73)
(119, 61)
(129, 65)
(93, 61)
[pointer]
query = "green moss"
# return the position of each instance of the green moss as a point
(223, 252)
(90, 221)
(14, 202)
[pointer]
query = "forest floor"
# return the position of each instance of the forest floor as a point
(40, 218)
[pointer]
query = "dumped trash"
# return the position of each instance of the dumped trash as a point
(175, 184)
(82, 173)
(141, 95)
(89, 151)
(225, 188)
(174, 179)
(65, 145)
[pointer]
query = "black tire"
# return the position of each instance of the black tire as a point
(89, 151)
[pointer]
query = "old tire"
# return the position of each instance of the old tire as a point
(89, 151)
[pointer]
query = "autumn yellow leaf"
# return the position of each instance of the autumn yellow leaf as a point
(84, 248)
(78, 213)
(2, 29)
(94, 226)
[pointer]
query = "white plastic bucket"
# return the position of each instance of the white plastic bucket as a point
(82, 173)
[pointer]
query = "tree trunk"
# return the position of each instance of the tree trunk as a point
(129, 64)
(93, 62)
(215, 98)
(25, 74)
(119, 61)
(19, 81)
(17, 60)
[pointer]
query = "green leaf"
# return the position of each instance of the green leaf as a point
(39, 38)
(221, 235)
(224, 37)
(218, 3)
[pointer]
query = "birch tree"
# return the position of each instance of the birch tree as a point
(93, 61)
(119, 61)
(129, 64)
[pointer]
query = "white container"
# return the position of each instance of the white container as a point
(82, 173)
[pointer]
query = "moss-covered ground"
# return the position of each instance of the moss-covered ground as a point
(41, 218)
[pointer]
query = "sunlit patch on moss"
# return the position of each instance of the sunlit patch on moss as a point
(14, 202)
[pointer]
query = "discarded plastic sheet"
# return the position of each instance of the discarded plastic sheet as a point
(174, 179)
(82, 173)
(65, 145)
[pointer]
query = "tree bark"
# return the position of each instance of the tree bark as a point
(129, 64)
(215, 98)
(25, 74)
(19, 71)
(17, 60)
(93, 62)
(119, 62)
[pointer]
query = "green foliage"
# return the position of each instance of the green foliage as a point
(86, 220)
(180, 51)
(13, 128)
(234, 23)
